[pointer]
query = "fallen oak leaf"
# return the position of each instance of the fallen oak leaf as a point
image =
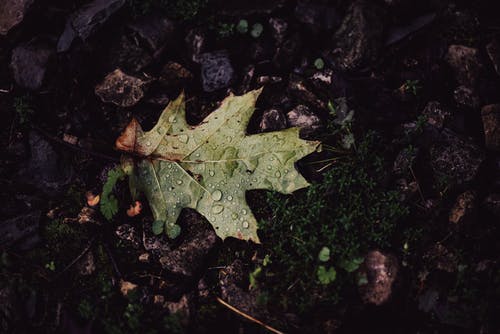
(209, 167)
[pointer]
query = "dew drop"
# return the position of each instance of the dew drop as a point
(277, 174)
(269, 167)
(217, 195)
(216, 209)
(148, 143)
(245, 224)
(170, 188)
(179, 181)
(183, 138)
(197, 155)
(229, 198)
(244, 211)
(237, 185)
(286, 171)
(234, 215)
(211, 173)
(172, 119)
(271, 159)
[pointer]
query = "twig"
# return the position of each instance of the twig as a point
(246, 316)
(75, 147)
(75, 260)
(418, 185)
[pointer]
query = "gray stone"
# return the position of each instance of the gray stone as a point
(303, 118)
(29, 63)
(359, 38)
(273, 120)
(466, 96)
(87, 20)
(493, 50)
(156, 244)
(435, 114)
(465, 63)
(380, 271)
(491, 124)
(121, 89)
(21, 231)
(12, 13)
(216, 70)
(129, 234)
(319, 16)
(46, 169)
(154, 30)
(279, 29)
(455, 160)
(188, 258)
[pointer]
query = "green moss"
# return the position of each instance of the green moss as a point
(348, 212)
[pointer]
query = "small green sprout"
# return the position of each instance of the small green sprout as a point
(326, 276)
(257, 30)
(319, 63)
(324, 254)
(242, 26)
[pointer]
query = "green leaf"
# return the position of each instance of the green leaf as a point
(242, 26)
(326, 276)
(210, 167)
(352, 264)
(108, 202)
(158, 226)
(257, 30)
(324, 254)
(319, 63)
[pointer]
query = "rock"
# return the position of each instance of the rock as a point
(189, 256)
(11, 309)
(231, 282)
(154, 30)
(88, 215)
(380, 270)
(435, 115)
(181, 307)
(287, 52)
(266, 79)
(127, 287)
(301, 117)
(121, 89)
(359, 38)
(87, 20)
(21, 231)
(463, 207)
(216, 70)
(297, 87)
(465, 63)
(441, 258)
(195, 44)
(404, 161)
(127, 54)
(128, 233)
(86, 265)
(272, 120)
(279, 29)
(492, 204)
(491, 124)
(46, 169)
(144, 257)
(493, 50)
(174, 74)
(12, 13)
(466, 96)
(156, 244)
(29, 63)
(455, 160)
(320, 17)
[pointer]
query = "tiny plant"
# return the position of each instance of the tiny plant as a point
(319, 63)
(257, 30)
(24, 111)
(109, 203)
(412, 86)
(242, 26)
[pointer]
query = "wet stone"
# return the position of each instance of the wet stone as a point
(272, 120)
(435, 114)
(29, 63)
(359, 38)
(303, 118)
(465, 63)
(12, 13)
(129, 234)
(188, 258)
(463, 207)
(156, 31)
(380, 270)
(455, 160)
(120, 89)
(21, 231)
(216, 70)
(174, 74)
(466, 96)
(491, 124)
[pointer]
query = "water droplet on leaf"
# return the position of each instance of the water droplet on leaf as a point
(216, 209)
(217, 195)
